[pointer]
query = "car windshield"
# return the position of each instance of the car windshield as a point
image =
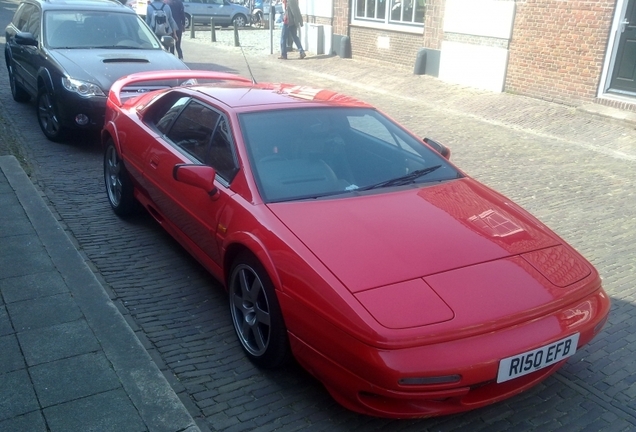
(94, 29)
(322, 152)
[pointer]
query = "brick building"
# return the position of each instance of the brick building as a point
(566, 51)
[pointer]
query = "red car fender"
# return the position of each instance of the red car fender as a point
(110, 130)
(254, 245)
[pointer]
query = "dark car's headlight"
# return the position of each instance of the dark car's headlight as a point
(82, 88)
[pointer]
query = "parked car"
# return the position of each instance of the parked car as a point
(405, 286)
(66, 55)
(224, 12)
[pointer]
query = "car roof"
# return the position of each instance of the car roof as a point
(108, 5)
(258, 95)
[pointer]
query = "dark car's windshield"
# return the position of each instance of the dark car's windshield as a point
(94, 29)
(318, 152)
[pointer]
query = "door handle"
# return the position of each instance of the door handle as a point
(624, 24)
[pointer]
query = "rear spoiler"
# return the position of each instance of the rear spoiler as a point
(114, 95)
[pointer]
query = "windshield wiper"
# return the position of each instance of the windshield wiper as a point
(403, 180)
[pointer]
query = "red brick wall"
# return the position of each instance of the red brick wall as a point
(341, 13)
(558, 47)
(403, 46)
(433, 24)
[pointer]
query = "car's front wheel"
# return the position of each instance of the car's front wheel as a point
(240, 20)
(188, 21)
(48, 117)
(256, 314)
(119, 187)
(17, 91)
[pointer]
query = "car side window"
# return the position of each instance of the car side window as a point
(219, 154)
(33, 24)
(23, 17)
(192, 130)
(165, 120)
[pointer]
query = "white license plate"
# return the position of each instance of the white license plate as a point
(530, 361)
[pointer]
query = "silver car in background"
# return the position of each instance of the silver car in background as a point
(224, 12)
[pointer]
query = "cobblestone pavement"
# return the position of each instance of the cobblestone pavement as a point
(573, 170)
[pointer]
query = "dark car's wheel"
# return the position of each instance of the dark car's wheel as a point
(48, 118)
(19, 94)
(240, 20)
(256, 313)
(119, 187)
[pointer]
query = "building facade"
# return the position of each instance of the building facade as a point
(566, 51)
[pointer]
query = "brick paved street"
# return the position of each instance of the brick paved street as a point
(575, 171)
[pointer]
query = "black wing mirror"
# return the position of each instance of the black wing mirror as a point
(25, 38)
(167, 42)
(439, 148)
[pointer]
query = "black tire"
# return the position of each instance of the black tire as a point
(48, 118)
(188, 21)
(240, 20)
(119, 187)
(17, 91)
(256, 314)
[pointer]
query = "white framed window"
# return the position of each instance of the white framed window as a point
(393, 13)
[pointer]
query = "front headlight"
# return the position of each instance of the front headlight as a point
(82, 88)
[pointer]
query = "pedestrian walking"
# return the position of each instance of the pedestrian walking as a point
(159, 19)
(292, 21)
(178, 13)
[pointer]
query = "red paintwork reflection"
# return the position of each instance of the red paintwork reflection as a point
(408, 234)
(559, 265)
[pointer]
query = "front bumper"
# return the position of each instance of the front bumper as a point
(70, 105)
(366, 379)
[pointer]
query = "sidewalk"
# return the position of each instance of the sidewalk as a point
(68, 360)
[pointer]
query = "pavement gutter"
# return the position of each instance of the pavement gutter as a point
(157, 404)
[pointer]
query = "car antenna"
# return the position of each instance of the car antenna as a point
(248, 65)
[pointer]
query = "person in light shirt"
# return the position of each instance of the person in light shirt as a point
(292, 21)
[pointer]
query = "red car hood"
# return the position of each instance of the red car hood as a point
(380, 239)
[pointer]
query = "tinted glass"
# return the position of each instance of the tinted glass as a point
(316, 152)
(89, 29)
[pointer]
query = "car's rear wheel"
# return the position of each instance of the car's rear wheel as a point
(17, 91)
(48, 117)
(240, 20)
(188, 21)
(256, 314)
(119, 187)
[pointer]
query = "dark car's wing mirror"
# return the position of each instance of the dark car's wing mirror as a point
(25, 38)
(200, 176)
(167, 42)
(439, 148)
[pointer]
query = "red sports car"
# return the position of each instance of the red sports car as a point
(406, 287)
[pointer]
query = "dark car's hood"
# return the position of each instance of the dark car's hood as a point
(385, 238)
(104, 66)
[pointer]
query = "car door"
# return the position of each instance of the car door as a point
(197, 9)
(193, 137)
(221, 12)
(25, 57)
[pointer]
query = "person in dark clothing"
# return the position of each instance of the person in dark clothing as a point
(179, 16)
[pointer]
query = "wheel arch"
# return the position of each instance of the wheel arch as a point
(246, 242)
(246, 19)
(110, 132)
(45, 80)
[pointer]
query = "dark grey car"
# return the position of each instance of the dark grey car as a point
(67, 53)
